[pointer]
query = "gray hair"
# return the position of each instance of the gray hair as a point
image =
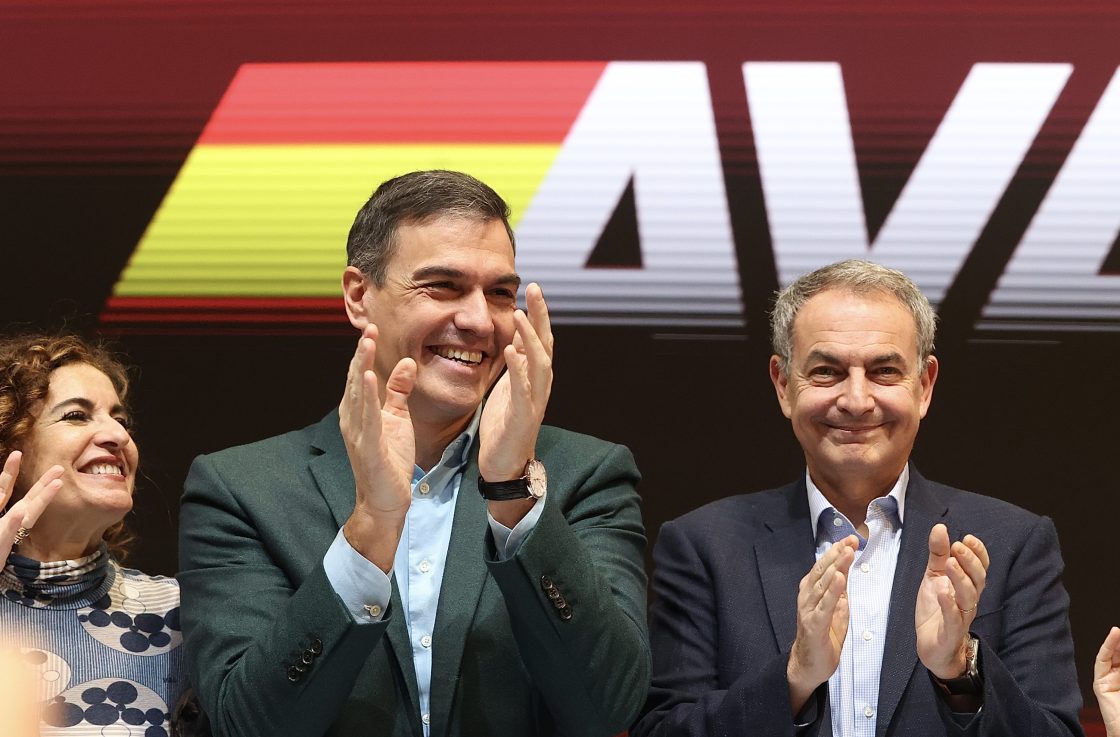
(412, 199)
(858, 277)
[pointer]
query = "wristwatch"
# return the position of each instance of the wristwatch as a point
(970, 682)
(533, 483)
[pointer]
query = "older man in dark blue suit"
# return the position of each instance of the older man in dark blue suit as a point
(838, 605)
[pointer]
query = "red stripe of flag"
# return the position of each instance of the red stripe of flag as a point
(407, 102)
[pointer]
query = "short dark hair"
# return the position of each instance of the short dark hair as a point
(26, 364)
(856, 276)
(411, 199)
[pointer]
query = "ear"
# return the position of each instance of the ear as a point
(781, 384)
(928, 379)
(357, 288)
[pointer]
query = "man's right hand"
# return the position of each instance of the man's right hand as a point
(381, 445)
(822, 622)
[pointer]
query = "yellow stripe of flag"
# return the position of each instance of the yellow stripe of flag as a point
(272, 220)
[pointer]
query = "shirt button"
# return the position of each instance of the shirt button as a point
(424, 566)
(837, 522)
(867, 636)
(867, 712)
(865, 567)
(426, 718)
(373, 609)
(426, 640)
(424, 489)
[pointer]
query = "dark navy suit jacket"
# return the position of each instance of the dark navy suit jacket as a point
(725, 615)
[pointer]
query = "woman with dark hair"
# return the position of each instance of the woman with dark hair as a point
(104, 640)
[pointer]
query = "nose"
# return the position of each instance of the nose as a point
(856, 394)
(112, 434)
(472, 314)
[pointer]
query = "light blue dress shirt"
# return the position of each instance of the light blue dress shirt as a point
(420, 559)
(853, 688)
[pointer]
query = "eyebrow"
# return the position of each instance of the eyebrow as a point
(85, 404)
(428, 272)
(819, 355)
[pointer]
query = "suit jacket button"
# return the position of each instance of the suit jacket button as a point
(316, 646)
(560, 603)
(294, 674)
(308, 657)
(546, 583)
(566, 613)
(554, 594)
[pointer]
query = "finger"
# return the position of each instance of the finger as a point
(970, 564)
(848, 548)
(837, 585)
(938, 549)
(9, 524)
(9, 475)
(399, 386)
(817, 585)
(538, 357)
(950, 612)
(40, 495)
(538, 316)
(964, 592)
(979, 549)
(1108, 657)
(831, 555)
(362, 361)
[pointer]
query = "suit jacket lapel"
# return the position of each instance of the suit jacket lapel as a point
(923, 510)
(464, 578)
(785, 557)
(330, 466)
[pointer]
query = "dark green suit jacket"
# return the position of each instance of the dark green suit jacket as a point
(256, 522)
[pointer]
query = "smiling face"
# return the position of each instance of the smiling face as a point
(447, 302)
(83, 428)
(855, 392)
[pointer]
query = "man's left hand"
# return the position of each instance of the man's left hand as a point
(947, 601)
(515, 410)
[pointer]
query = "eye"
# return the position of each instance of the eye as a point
(75, 415)
(125, 421)
(504, 294)
(440, 288)
(823, 371)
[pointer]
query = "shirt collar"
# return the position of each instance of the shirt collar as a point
(457, 452)
(818, 504)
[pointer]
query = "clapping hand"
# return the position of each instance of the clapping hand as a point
(381, 445)
(21, 517)
(947, 600)
(1106, 681)
(822, 621)
(515, 410)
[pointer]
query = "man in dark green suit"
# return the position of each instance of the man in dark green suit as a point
(422, 562)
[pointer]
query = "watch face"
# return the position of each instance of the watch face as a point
(537, 478)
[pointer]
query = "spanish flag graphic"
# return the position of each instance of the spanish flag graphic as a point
(253, 230)
(251, 235)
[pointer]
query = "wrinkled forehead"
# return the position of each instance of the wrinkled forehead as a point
(849, 316)
(463, 240)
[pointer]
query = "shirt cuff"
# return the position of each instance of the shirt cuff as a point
(364, 588)
(507, 541)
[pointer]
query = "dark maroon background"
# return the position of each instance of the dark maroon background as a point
(101, 101)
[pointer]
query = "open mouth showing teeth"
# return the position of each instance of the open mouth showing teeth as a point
(104, 469)
(470, 358)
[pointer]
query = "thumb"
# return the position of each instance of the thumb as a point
(938, 549)
(399, 386)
